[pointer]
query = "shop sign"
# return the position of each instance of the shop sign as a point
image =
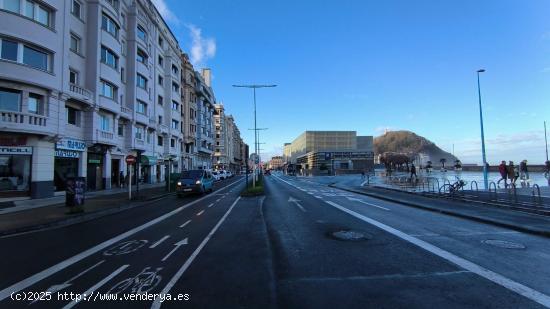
(94, 161)
(15, 150)
(67, 154)
(71, 144)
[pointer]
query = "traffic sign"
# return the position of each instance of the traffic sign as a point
(130, 159)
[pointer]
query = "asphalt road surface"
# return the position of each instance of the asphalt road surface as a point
(302, 245)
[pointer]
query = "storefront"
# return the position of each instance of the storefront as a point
(68, 153)
(15, 170)
(94, 175)
(147, 166)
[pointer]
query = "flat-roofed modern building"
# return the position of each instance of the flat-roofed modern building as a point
(317, 152)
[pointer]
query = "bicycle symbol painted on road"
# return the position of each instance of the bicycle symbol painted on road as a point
(143, 282)
(125, 247)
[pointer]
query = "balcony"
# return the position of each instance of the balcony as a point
(163, 129)
(126, 112)
(139, 144)
(81, 94)
(105, 137)
(152, 122)
(25, 122)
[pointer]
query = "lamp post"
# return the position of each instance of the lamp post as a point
(485, 171)
(254, 87)
(545, 141)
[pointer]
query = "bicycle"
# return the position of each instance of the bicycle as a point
(454, 187)
(143, 282)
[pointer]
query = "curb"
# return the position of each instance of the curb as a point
(82, 217)
(545, 233)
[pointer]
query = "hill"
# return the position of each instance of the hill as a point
(412, 144)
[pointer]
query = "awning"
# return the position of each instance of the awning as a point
(148, 160)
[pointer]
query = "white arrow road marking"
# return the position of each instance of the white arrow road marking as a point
(187, 263)
(188, 221)
(58, 287)
(178, 244)
(297, 202)
(200, 212)
(210, 205)
(159, 241)
(363, 202)
(25, 283)
(97, 286)
(511, 285)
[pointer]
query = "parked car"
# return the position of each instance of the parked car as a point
(223, 174)
(228, 174)
(216, 175)
(195, 181)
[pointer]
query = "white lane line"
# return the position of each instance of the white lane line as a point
(25, 283)
(188, 221)
(363, 183)
(300, 206)
(159, 241)
(200, 212)
(319, 197)
(187, 263)
(210, 205)
(511, 285)
(366, 203)
(218, 200)
(97, 286)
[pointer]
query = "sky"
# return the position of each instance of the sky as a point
(369, 66)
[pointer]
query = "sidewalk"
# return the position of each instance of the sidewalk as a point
(51, 213)
(520, 221)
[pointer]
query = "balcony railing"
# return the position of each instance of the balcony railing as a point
(105, 137)
(126, 110)
(23, 118)
(80, 91)
(152, 121)
(163, 128)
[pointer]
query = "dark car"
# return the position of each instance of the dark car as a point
(195, 181)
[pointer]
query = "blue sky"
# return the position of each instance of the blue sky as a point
(371, 65)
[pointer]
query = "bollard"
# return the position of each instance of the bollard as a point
(538, 192)
(472, 185)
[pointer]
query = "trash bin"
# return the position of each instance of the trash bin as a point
(75, 192)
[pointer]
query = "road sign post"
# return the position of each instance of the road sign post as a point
(130, 160)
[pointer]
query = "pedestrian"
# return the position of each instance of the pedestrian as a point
(413, 172)
(547, 171)
(503, 173)
(511, 172)
(362, 175)
(121, 179)
(524, 174)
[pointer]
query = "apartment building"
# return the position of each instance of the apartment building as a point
(205, 113)
(189, 100)
(82, 85)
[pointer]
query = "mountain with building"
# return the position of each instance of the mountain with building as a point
(411, 144)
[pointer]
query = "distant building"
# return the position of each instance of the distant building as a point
(321, 152)
(276, 162)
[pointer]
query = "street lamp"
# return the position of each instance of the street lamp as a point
(485, 171)
(254, 87)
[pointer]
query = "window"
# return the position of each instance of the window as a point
(10, 100)
(159, 140)
(142, 107)
(34, 104)
(73, 116)
(175, 124)
(123, 19)
(73, 77)
(75, 9)
(174, 69)
(109, 25)
(175, 87)
(160, 119)
(32, 10)
(109, 57)
(139, 133)
(12, 5)
(161, 41)
(35, 58)
(160, 100)
(175, 105)
(161, 61)
(9, 50)
(108, 90)
(141, 33)
(161, 80)
(172, 143)
(113, 3)
(123, 75)
(105, 123)
(149, 137)
(141, 56)
(75, 43)
(141, 81)
(120, 129)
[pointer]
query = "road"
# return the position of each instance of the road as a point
(302, 245)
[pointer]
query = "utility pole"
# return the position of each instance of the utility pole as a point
(545, 140)
(485, 171)
(254, 87)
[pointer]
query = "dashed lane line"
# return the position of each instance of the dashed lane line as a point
(200, 212)
(188, 221)
(159, 241)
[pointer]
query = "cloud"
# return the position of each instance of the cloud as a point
(165, 12)
(202, 48)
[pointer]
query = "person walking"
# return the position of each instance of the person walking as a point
(413, 172)
(511, 172)
(524, 174)
(121, 179)
(503, 174)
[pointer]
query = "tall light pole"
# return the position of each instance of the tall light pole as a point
(254, 87)
(485, 171)
(545, 140)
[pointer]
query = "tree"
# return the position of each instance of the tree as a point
(443, 161)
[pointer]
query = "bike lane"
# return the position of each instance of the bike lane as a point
(143, 261)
